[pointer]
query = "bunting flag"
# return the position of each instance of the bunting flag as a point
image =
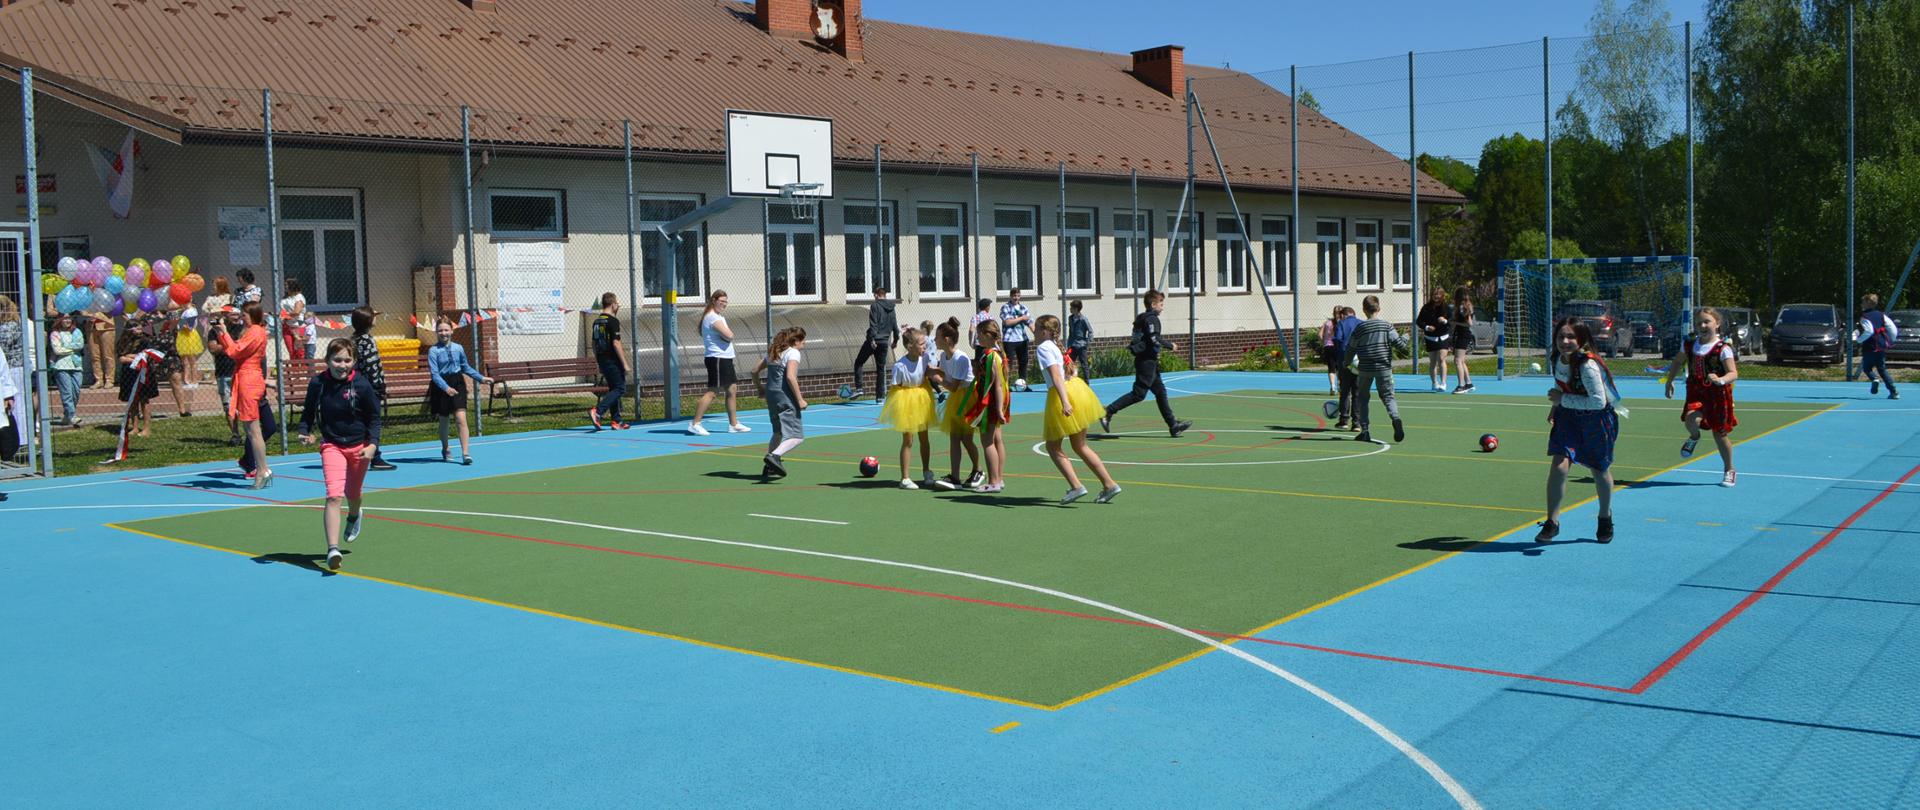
(115, 170)
(140, 365)
(467, 318)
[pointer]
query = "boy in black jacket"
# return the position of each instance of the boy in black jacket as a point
(1146, 345)
(883, 334)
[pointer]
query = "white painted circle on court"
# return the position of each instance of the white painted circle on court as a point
(1040, 449)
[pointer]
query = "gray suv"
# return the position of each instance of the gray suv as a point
(1807, 333)
(1742, 330)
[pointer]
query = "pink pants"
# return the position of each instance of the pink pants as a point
(345, 469)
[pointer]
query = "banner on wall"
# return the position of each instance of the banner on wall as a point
(533, 277)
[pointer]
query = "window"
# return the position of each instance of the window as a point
(1276, 257)
(1078, 239)
(1016, 250)
(1366, 241)
(1402, 234)
(652, 212)
(1132, 251)
(793, 255)
(320, 245)
(53, 249)
(1180, 278)
(871, 236)
(1330, 241)
(942, 250)
(527, 214)
(1230, 249)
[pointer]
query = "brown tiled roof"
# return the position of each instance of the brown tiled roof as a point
(563, 73)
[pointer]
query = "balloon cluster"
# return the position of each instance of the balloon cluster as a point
(99, 285)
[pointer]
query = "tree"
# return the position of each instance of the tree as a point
(1511, 197)
(1455, 173)
(1627, 81)
(1308, 101)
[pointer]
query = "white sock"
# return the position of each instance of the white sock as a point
(786, 446)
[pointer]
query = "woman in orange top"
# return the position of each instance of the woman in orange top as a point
(249, 385)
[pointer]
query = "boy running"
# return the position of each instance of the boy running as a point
(1373, 344)
(1875, 333)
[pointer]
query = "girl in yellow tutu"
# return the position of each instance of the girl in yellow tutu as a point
(1071, 407)
(952, 370)
(909, 407)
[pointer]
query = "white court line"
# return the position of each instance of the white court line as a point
(1040, 449)
(117, 480)
(801, 519)
(1744, 474)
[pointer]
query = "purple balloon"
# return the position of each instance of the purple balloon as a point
(163, 269)
(148, 301)
(102, 264)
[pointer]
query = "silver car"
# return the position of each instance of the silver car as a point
(1906, 346)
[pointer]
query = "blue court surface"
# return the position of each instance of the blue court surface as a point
(1746, 647)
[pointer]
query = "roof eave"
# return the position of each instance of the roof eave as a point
(100, 102)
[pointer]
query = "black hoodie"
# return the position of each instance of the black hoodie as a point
(347, 409)
(881, 327)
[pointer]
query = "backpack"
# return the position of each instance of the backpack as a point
(1343, 334)
(1879, 342)
(602, 341)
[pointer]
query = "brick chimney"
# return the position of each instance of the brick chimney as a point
(799, 19)
(482, 6)
(786, 18)
(1163, 69)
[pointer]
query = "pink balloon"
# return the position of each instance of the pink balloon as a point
(102, 264)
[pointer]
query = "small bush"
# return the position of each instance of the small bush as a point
(1119, 363)
(1173, 361)
(1262, 358)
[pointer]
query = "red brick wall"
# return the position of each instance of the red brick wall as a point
(793, 18)
(1163, 68)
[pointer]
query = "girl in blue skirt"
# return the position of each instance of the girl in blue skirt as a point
(1586, 422)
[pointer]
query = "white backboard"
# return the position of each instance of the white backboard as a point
(768, 150)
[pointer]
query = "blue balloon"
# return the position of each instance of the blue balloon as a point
(114, 284)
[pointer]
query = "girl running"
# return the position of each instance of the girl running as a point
(348, 410)
(1711, 366)
(1585, 424)
(909, 406)
(1462, 337)
(448, 366)
(991, 406)
(1071, 407)
(248, 354)
(779, 375)
(953, 370)
(718, 340)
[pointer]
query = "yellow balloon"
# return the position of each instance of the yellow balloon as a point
(140, 263)
(132, 307)
(119, 271)
(179, 273)
(182, 264)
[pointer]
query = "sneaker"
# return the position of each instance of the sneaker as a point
(466, 461)
(1686, 447)
(947, 484)
(621, 426)
(857, 393)
(1604, 532)
(976, 479)
(1467, 389)
(250, 475)
(1106, 423)
(907, 483)
(1873, 386)
(1364, 436)
(263, 480)
(927, 479)
(1459, 388)
(1399, 431)
(774, 467)
(352, 530)
(1548, 530)
(333, 559)
(1073, 495)
(1179, 428)
(446, 456)
(1727, 481)
(739, 429)
(382, 466)
(697, 429)
(1892, 394)
(593, 414)
(989, 489)
(1340, 425)
(1106, 495)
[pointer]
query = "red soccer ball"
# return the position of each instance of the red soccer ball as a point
(1489, 443)
(869, 467)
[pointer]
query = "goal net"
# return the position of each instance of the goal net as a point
(1635, 306)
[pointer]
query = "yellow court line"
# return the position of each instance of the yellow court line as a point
(611, 626)
(1005, 727)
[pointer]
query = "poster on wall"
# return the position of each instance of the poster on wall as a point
(244, 229)
(533, 277)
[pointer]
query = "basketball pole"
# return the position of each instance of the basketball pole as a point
(879, 223)
(1060, 241)
(633, 272)
(1293, 224)
(473, 289)
(1191, 270)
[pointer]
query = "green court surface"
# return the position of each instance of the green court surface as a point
(1260, 512)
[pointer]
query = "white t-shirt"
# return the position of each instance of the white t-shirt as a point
(717, 344)
(1049, 353)
(1701, 350)
(295, 308)
(957, 366)
(791, 356)
(910, 371)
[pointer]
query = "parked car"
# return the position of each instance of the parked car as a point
(1743, 330)
(1646, 333)
(1485, 332)
(1806, 332)
(1607, 321)
(1906, 346)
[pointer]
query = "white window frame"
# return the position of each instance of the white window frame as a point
(1081, 246)
(320, 298)
(1177, 253)
(559, 197)
(1004, 247)
(787, 231)
(1233, 267)
(1402, 253)
(935, 233)
(1133, 252)
(1330, 274)
(698, 240)
(1369, 271)
(887, 229)
(1277, 253)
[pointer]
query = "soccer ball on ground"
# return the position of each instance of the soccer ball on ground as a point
(1331, 409)
(869, 467)
(1489, 443)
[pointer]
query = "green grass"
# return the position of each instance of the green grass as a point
(1227, 549)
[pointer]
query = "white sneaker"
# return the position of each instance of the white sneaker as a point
(1729, 479)
(989, 488)
(1106, 495)
(352, 530)
(945, 485)
(975, 480)
(907, 483)
(333, 559)
(697, 429)
(739, 429)
(1073, 495)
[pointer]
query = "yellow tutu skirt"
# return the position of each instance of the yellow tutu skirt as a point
(954, 421)
(909, 409)
(188, 343)
(1086, 410)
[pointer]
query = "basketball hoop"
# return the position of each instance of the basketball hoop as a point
(800, 200)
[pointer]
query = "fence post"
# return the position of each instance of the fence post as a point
(633, 273)
(1192, 270)
(1546, 128)
(879, 235)
(1853, 316)
(277, 275)
(1413, 220)
(473, 287)
(1060, 241)
(1137, 258)
(37, 409)
(973, 253)
(1294, 228)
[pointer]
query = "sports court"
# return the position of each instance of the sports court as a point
(1271, 614)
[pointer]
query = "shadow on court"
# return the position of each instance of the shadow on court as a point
(311, 562)
(1457, 543)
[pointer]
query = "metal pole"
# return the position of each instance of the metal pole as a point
(766, 250)
(1135, 254)
(1852, 315)
(1413, 219)
(1246, 237)
(473, 287)
(1691, 281)
(37, 410)
(278, 270)
(973, 252)
(1166, 267)
(1500, 317)
(670, 328)
(1193, 250)
(879, 223)
(1294, 227)
(633, 272)
(1060, 241)
(1546, 128)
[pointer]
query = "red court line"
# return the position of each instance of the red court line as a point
(1688, 649)
(432, 489)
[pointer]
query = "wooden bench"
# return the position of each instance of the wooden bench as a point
(559, 376)
(408, 379)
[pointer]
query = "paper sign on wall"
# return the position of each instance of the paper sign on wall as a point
(533, 276)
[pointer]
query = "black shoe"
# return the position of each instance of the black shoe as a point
(466, 461)
(1548, 530)
(774, 467)
(1399, 432)
(382, 466)
(1179, 428)
(1340, 425)
(1106, 423)
(1364, 436)
(1604, 532)
(3, 496)
(1873, 386)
